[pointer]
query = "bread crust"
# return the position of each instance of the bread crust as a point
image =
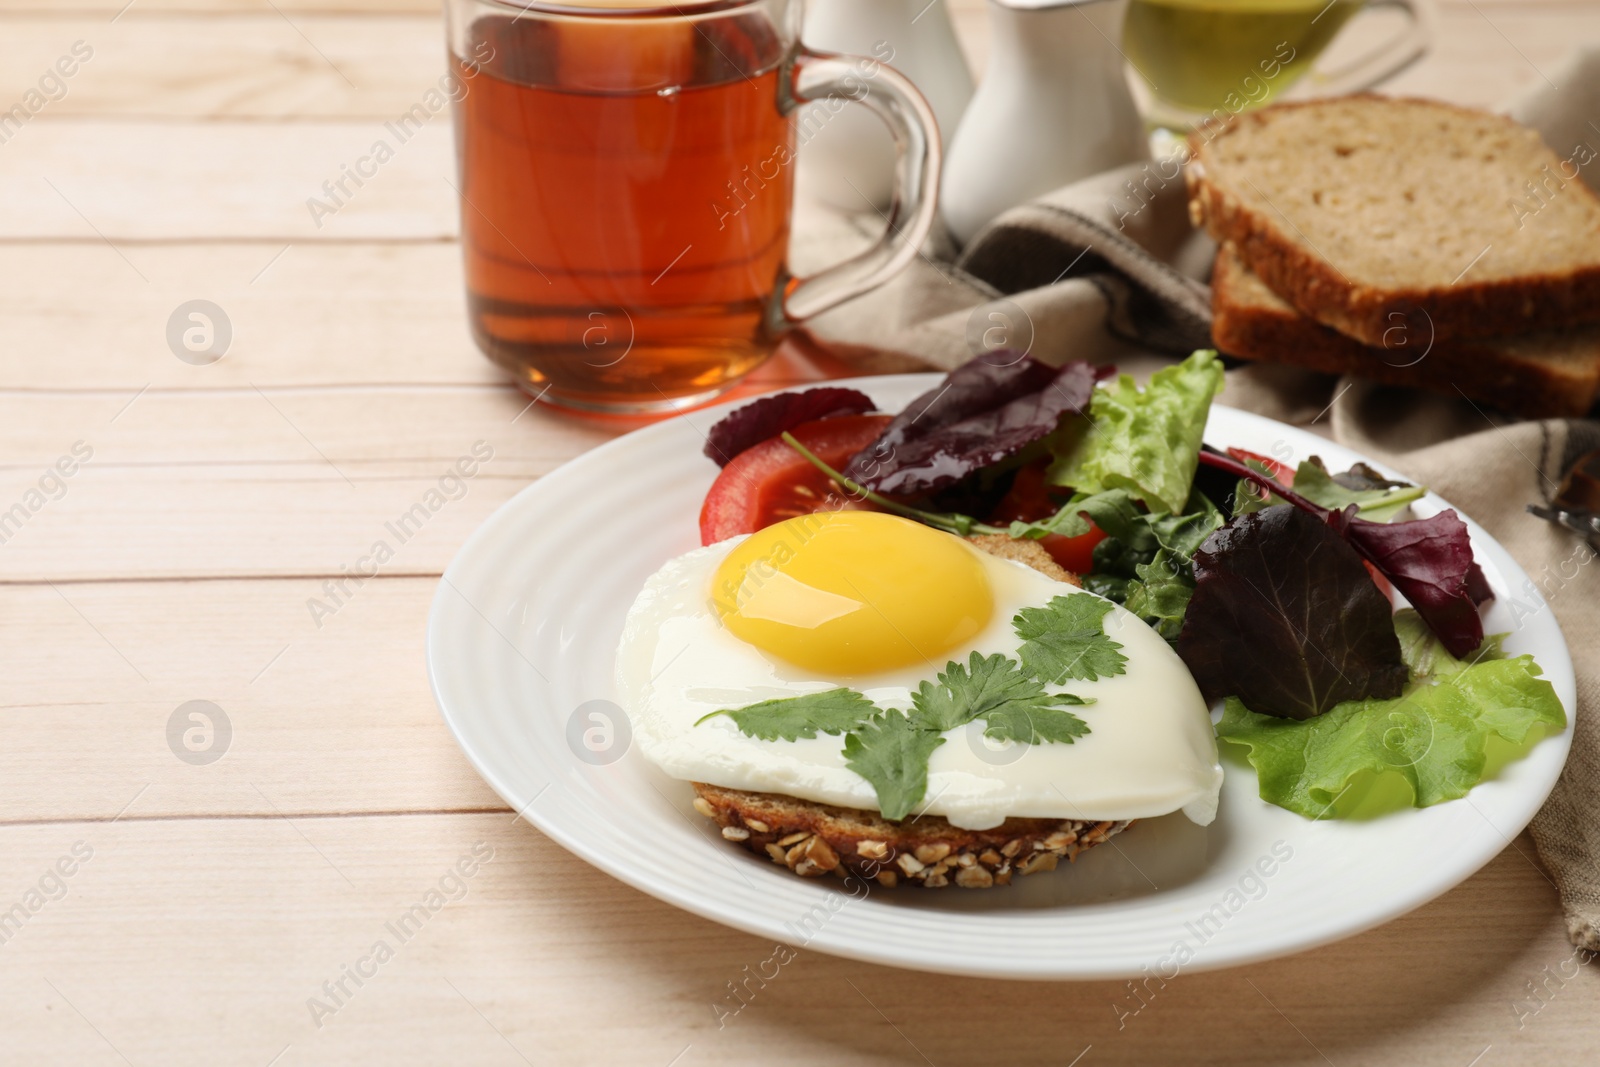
(814, 840)
(1489, 371)
(1494, 307)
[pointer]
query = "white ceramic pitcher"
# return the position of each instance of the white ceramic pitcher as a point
(1054, 106)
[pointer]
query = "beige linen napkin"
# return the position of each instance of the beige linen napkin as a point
(1109, 268)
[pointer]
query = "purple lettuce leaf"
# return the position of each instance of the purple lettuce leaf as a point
(1428, 560)
(984, 412)
(1285, 617)
(771, 415)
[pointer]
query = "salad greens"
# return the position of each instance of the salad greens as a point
(1288, 640)
(983, 413)
(1145, 441)
(1376, 498)
(769, 416)
(891, 748)
(1265, 588)
(1435, 737)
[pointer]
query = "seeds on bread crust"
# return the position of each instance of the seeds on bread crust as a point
(814, 840)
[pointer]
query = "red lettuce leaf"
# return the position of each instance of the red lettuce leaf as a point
(1478, 585)
(1285, 617)
(769, 416)
(1428, 560)
(983, 412)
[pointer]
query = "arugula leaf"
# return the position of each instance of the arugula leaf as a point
(1032, 725)
(1067, 639)
(1114, 511)
(791, 718)
(1160, 595)
(1434, 736)
(1377, 498)
(992, 688)
(892, 754)
(1147, 442)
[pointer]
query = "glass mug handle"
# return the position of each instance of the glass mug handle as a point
(892, 97)
(1387, 60)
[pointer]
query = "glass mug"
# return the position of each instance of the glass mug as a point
(626, 180)
(1206, 60)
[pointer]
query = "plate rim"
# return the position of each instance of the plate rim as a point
(1315, 935)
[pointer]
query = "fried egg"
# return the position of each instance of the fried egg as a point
(879, 604)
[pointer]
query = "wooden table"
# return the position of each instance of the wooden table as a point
(207, 903)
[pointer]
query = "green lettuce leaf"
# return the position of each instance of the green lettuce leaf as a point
(1425, 654)
(1147, 442)
(1434, 736)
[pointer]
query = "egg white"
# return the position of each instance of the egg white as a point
(1150, 749)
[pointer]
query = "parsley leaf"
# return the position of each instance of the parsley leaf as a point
(791, 718)
(1032, 724)
(892, 754)
(994, 688)
(1067, 639)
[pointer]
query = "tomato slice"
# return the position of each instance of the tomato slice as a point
(772, 482)
(1030, 499)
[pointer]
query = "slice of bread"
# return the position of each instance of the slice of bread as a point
(813, 840)
(1536, 375)
(1372, 214)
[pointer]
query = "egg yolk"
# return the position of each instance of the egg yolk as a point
(851, 592)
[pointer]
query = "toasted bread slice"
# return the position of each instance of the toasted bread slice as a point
(816, 839)
(1029, 553)
(1536, 375)
(1372, 214)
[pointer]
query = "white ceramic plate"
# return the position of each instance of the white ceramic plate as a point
(520, 644)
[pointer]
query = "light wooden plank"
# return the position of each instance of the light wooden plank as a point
(300, 313)
(267, 65)
(153, 180)
(36, 8)
(200, 942)
(328, 713)
(248, 481)
(307, 314)
(245, 483)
